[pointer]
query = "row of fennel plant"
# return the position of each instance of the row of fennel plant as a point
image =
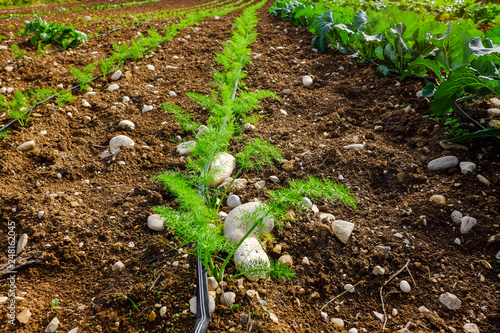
(122, 53)
(195, 218)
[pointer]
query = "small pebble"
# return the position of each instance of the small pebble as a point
(40, 214)
(456, 216)
(52, 327)
(471, 328)
(273, 317)
(305, 261)
(450, 301)
(337, 322)
(147, 108)
(423, 309)
(228, 298)
(125, 99)
(466, 167)
(274, 179)
(233, 201)
(116, 75)
(156, 222)
(286, 259)
(172, 93)
(353, 330)
(404, 286)
(467, 224)
(349, 287)
(483, 180)
(442, 163)
(307, 80)
(113, 87)
(151, 67)
(377, 270)
(439, 199)
(28, 145)
(117, 266)
(126, 123)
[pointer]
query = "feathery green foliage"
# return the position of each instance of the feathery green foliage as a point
(184, 119)
(84, 76)
(17, 53)
(258, 153)
(16, 108)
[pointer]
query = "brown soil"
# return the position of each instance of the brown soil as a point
(102, 205)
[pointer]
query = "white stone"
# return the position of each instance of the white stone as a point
(239, 184)
(286, 259)
(404, 286)
(24, 316)
(442, 163)
(233, 201)
(377, 270)
(274, 179)
(221, 167)
(251, 293)
(40, 214)
(3, 299)
(116, 75)
(379, 316)
(151, 67)
(247, 127)
(113, 87)
(3, 90)
(471, 328)
(349, 287)
(337, 322)
(86, 104)
(120, 141)
(117, 266)
(163, 311)
(342, 229)
(74, 330)
(467, 167)
(126, 123)
(423, 309)
(21, 244)
(467, 224)
(450, 301)
(260, 184)
(273, 317)
(212, 283)
(147, 108)
(228, 298)
(307, 80)
(156, 222)
(456, 216)
(395, 312)
(326, 216)
(211, 304)
(241, 219)
(483, 180)
(251, 255)
(324, 315)
(305, 261)
(458, 241)
(495, 101)
(307, 202)
(353, 330)
(52, 327)
(355, 146)
(184, 148)
(125, 99)
(28, 145)
(439, 199)
(172, 93)
(494, 112)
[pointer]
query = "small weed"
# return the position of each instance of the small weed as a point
(55, 304)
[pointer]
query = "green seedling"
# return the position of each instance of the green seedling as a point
(131, 301)
(55, 304)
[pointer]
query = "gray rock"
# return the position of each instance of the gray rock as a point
(113, 87)
(307, 80)
(251, 255)
(247, 128)
(466, 167)
(211, 304)
(239, 184)
(274, 179)
(260, 184)
(120, 141)
(147, 108)
(233, 201)
(449, 145)
(404, 286)
(74, 330)
(163, 311)
(273, 317)
(456, 216)
(307, 202)
(156, 222)
(467, 224)
(117, 266)
(116, 75)
(286, 259)
(450, 301)
(240, 220)
(126, 123)
(228, 298)
(24, 316)
(377, 270)
(379, 316)
(40, 214)
(471, 328)
(21, 244)
(442, 163)
(212, 283)
(494, 112)
(483, 180)
(221, 167)
(28, 145)
(326, 216)
(342, 229)
(184, 148)
(349, 287)
(52, 327)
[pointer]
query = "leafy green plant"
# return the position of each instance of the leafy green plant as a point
(54, 304)
(17, 53)
(16, 108)
(53, 33)
(84, 76)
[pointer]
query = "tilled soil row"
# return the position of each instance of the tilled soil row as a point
(102, 204)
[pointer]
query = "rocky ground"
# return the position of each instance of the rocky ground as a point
(83, 213)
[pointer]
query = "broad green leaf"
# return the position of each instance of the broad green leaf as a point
(421, 66)
(360, 19)
(459, 81)
(322, 27)
(428, 90)
(487, 132)
(383, 69)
